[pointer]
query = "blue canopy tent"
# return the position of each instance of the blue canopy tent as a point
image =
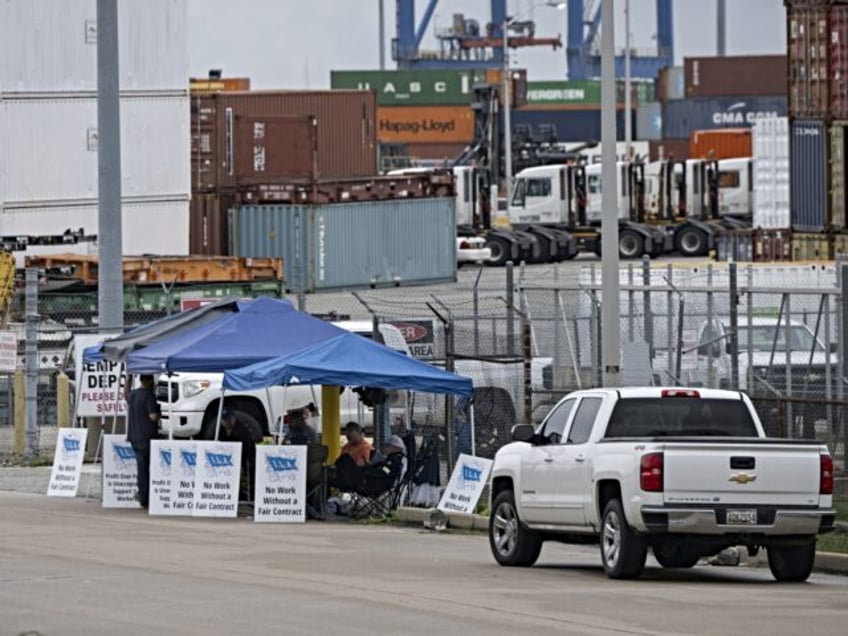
(263, 328)
(349, 360)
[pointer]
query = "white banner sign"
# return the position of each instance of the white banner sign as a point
(67, 462)
(280, 484)
(8, 351)
(216, 480)
(172, 468)
(100, 384)
(466, 484)
(120, 473)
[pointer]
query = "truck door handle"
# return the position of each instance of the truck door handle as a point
(580, 458)
(549, 459)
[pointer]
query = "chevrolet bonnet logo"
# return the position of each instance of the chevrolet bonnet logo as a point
(742, 478)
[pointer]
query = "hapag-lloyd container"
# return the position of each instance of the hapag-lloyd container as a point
(419, 124)
(808, 167)
(771, 172)
(342, 245)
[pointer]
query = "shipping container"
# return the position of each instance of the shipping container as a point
(566, 125)
(721, 143)
(345, 134)
(681, 117)
(735, 76)
(812, 247)
(808, 169)
(209, 232)
(52, 46)
(49, 148)
(808, 42)
(582, 93)
(412, 87)
(352, 245)
(219, 85)
(265, 147)
(840, 245)
(757, 246)
(837, 175)
(435, 152)
(670, 84)
(649, 121)
(436, 124)
(838, 62)
(770, 163)
(150, 227)
(668, 149)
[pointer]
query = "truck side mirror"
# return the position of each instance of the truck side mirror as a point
(523, 432)
(728, 347)
(834, 347)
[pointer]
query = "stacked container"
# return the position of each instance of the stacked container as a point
(817, 38)
(48, 121)
(771, 173)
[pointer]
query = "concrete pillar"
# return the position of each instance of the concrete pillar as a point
(20, 413)
(63, 401)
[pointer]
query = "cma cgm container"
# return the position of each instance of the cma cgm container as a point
(345, 134)
(566, 125)
(722, 143)
(808, 166)
(344, 245)
(770, 136)
(818, 60)
(681, 117)
(434, 124)
(735, 76)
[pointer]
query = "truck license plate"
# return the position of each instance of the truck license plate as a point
(742, 517)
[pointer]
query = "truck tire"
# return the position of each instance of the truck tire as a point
(792, 563)
(630, 244)
(675, 556)
(208, 430)
(512, 544)
(500, 251)
(691, 242)
(623, 552)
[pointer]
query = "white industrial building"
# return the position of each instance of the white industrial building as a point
(48, 121)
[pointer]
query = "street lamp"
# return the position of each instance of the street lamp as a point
(507, 100)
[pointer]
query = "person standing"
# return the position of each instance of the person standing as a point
(233, 430)
(142, 426)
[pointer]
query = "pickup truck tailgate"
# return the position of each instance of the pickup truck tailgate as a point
(765, 472)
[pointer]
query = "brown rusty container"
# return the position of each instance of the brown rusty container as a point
(268, 148)
(668, 149)
(812, 247)
(736, 76)
(721, 143)
(208, 226)
(808, 42)
(772, 246)
(220, 85)
(345, 134)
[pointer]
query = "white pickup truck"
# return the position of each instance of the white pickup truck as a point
(684, 472)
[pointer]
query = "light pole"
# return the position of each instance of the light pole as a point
(507, 84)
(628, 120)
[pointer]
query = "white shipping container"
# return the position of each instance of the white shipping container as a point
(51, 45)
(770, 140)
(155, 227)
(49, 149)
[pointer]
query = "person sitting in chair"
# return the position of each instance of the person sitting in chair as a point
(378, 476)
(357, 446)
(300, 433)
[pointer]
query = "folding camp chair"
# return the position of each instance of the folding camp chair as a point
(374, 489)
(316, 481)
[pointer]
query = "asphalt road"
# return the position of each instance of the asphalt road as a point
(69, 567)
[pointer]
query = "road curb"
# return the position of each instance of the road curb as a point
(826, 562)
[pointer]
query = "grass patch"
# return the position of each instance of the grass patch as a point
(841, 510)
(833, 542)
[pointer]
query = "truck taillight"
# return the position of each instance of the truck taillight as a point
(464, 245)
(651, 472)
(680, 393)
(826, 475)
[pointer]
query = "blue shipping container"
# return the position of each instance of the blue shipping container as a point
(569, 125)
(347, 245)
(808, 170)
(681, 116)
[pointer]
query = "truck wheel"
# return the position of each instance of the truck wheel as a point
(691, 242)
(792, 563)
(208, 430)
(500, 251)
(630, 244)
(623, 552)
(675, 556)
(511, 543)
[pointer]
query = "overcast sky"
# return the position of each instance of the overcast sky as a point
(295, 44)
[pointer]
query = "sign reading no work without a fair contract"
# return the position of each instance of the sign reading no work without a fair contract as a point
(101, 384)
(280, 484)
(172, 470)
(120, 473)
(466, 484)
(67, 462)
(217, 477)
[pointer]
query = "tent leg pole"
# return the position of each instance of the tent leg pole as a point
(220, 412)
(473, 431)
(282, 416)
(270, 408)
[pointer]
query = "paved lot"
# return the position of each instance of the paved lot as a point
(69, 567)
